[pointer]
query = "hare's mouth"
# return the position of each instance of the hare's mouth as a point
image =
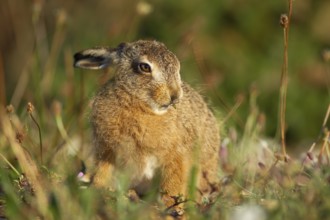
(165, 106)
(159, 109)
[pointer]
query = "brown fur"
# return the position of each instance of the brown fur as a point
(150, 121)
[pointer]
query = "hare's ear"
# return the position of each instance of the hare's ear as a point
(95, 58)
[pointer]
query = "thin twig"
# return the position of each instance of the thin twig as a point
(324, 148)
(9, 164)
(40, 138)
(176, 203)
(30, 109)
(57, 108)
(285, 22)
(233, 110)
(309, 153)
(326, 117)
(283, 91)
(28, 166)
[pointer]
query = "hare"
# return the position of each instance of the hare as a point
(145, 120)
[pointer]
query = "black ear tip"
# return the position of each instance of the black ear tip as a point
(78, 56)
(94, 58)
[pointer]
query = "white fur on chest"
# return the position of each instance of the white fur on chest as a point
(151, 165)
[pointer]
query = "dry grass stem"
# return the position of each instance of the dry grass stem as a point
(57, 109)
(285, 23)
(325, 148)
(10, 165)
(234, 109)
(326, 117)
(30, 110)
(27, 165)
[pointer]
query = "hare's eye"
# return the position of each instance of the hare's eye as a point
(144, 67)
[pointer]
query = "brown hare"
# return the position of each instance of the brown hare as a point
(146, 120)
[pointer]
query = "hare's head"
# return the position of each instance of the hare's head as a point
(145, 69)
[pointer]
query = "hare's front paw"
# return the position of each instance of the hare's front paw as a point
(174, 205)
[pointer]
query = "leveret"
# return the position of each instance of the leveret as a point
(146, 120)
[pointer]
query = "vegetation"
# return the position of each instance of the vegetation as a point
(268, 82)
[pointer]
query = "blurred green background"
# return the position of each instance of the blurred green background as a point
(227, 48)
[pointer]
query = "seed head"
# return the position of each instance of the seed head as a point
(143, 8)
(30, 108)
(284, 21)
(19, 137)
(10, 109)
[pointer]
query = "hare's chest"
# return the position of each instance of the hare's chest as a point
(141, 169)
(140, 161)
(150, 165)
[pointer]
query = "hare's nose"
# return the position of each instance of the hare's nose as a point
(174, 99)
(175, 92)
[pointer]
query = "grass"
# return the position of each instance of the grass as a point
(255, 178)
(45, 145)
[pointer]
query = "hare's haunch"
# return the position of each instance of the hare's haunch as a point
(146, 120)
